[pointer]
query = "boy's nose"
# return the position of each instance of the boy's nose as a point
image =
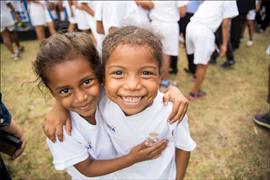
(133, 83)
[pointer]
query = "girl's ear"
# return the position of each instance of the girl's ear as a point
(51, 91)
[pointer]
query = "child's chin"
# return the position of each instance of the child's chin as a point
(130, 112)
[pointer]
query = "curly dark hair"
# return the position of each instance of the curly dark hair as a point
(64, 47)
(134, 36)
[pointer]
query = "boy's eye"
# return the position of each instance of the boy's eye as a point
(147, 73)
(64, 92)
(118, 73)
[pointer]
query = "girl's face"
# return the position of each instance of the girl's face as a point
(74, 84)
(132, 78)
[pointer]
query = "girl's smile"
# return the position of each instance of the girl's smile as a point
(74, 84)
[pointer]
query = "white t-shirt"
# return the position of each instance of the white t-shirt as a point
(6, 17)
(128, 131)
(81, 18)
(39, 13)
(211, 13)
(86, 140)
(117, 14)
(166, 11)
(90, 19)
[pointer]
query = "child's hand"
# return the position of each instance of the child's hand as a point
(20, 151)
(54, 121)
(223, 50)
(144, 152)
(180, 104)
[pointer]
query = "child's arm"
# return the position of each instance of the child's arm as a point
(15, 130)
(57, 117)
(141, 152)
(54, 121)
(226, 24)
(180, 103)
(184, 145)
(182, 159)
(148, 5)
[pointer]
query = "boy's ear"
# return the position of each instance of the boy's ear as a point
(159, 80)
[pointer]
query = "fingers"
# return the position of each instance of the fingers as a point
(20, 151)
(180, 113)
(184, 106)
(172, 116)
(155, 151)
(166, 99)
(59, 132)
(48, 130)
(68, 127)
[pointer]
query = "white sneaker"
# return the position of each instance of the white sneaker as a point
(15, 56)
(19, 50)
(249, 43)
(181, 39)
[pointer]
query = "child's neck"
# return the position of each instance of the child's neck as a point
(91, 119)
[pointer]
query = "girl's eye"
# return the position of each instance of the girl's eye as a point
(87, 82)
(64, 91)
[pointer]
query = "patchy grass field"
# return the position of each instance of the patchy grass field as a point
(230, 145)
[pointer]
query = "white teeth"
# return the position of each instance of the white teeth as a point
(131, 100)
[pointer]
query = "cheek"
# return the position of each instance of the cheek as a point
(65, 102)
(94, 92)
(109, 87)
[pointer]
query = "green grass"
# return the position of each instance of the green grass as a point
(230, 145)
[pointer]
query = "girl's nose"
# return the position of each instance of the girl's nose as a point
(81, 96)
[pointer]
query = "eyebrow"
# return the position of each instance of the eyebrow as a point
(92, 76)
(147, 66)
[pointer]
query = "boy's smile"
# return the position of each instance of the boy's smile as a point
(132, 78)
(74, 84)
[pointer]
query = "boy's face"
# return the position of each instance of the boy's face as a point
(74, 84)
(132, 78)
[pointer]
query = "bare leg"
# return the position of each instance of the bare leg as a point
(40, 33)
(15, 39)
(166, 67)
(7, 40)
(251, 26)
(51, 28)
(200, 75)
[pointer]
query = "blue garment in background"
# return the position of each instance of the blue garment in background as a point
(192, 6)
(5, 116)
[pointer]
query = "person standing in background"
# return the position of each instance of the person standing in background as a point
(200, 38)
(8, 30)
(39, 15)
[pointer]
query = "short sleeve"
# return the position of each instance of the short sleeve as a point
(182, 136)
(69, 152)
(98, 11)
(116, 15)
(230, 9)
(5, 116)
